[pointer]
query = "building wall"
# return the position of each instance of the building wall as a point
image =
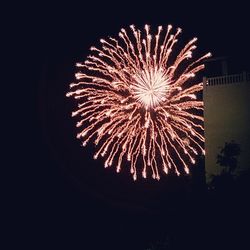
(226, 118)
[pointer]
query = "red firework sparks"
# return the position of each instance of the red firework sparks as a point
(138, 104)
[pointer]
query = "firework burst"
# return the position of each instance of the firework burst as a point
(138, 104)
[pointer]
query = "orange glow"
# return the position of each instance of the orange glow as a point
(137, 106)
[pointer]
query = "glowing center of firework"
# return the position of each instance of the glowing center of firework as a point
(150, 87)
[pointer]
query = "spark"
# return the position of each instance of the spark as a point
(139, 105)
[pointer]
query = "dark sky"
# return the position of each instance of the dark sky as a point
(70, 200)
(69, 30)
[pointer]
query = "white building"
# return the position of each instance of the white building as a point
(227, 117)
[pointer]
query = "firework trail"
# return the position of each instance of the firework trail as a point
(139, 105)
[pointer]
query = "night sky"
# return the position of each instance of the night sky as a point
(69, 201)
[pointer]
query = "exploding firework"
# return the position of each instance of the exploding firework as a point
(138, 104)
